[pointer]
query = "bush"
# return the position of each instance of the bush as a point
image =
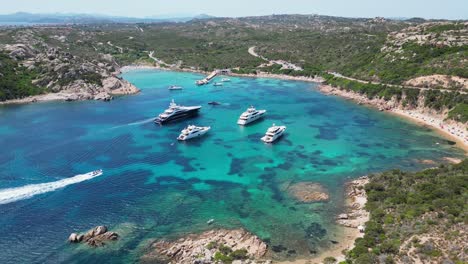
(222, 258)
(329, 260)
(239, 254)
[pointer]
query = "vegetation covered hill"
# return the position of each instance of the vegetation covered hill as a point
(16, 81)
(416, 217)
(413, 52)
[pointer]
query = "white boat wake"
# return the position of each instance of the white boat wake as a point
(135, 123)
(25, 192)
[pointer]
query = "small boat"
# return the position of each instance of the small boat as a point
(192, 132)
(209, 222)
(96, 172)
(175, 112)
(225, 80)
(175, 87)
(218, 84)
(273, 133)
(250, 115)
(214, 103)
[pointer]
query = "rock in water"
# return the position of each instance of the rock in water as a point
(308, 192)
(73, 238)
(96, 237)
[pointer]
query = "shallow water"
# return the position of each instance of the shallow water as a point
(154, 186)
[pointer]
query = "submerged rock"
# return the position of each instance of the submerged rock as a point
(96, 237)
(202, 248)
(308, 192)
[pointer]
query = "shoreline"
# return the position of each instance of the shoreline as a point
(354, 216)
(448, 129)
(451, 130)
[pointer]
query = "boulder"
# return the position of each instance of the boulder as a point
(73, 238)
(96, 237)
(103, 96)
(343, 216)
(20, 51)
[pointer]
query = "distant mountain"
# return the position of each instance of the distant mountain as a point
(22, 18)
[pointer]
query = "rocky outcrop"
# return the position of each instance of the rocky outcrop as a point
(438, 80)
(356, 216)
(19, 51)
(308, 192)
(96, 237)
(117, 86)
(204, 247)
(67, 74)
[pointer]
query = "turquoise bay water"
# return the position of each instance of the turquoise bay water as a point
(156, 187)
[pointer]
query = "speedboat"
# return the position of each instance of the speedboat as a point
(225, 80)
(193, 132)
(175, 112)
(250, 115)
(218, 84)
(175, 87)
(96, 172)
(273, 133)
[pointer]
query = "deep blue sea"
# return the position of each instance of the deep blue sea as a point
(155, 187)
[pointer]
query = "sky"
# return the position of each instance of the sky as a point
(448, 9)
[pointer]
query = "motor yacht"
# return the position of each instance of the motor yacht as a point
(273, 133)
(192, 132)
(175, 112)
(250, 115)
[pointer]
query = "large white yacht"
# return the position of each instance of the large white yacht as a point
(192, 132)
(175, 112)
(273, 133)
(250, 115)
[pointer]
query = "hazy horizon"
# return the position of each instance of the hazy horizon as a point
(429, 9)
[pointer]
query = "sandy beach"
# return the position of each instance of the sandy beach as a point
(452, 130)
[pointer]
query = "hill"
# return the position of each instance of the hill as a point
(416, 217)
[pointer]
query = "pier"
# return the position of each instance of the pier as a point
(212, 75)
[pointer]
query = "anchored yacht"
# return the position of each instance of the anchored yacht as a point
(175, 112)
(250, 115)
(225, 80)
(193, 132)
(175, 87)
(273, 133)
(218, 84)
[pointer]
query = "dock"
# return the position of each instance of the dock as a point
(213, 74)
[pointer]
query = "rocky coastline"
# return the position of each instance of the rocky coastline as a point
(453, 130)
(64, 76)
(236, 246)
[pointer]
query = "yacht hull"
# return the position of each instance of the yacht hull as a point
(243, 122)
(194, 135)
(271, 139)
(176, 117)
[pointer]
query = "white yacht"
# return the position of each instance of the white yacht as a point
(250, 115)
(176, 112)
(193, 132)
(218, 84)
(273, 133)
(175, 87)
(225, 80)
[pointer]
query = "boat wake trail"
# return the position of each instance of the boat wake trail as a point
(141, 122)
(25, 192)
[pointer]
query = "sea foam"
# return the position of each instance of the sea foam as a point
(10, 195)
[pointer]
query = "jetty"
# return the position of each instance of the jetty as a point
(213, 74)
